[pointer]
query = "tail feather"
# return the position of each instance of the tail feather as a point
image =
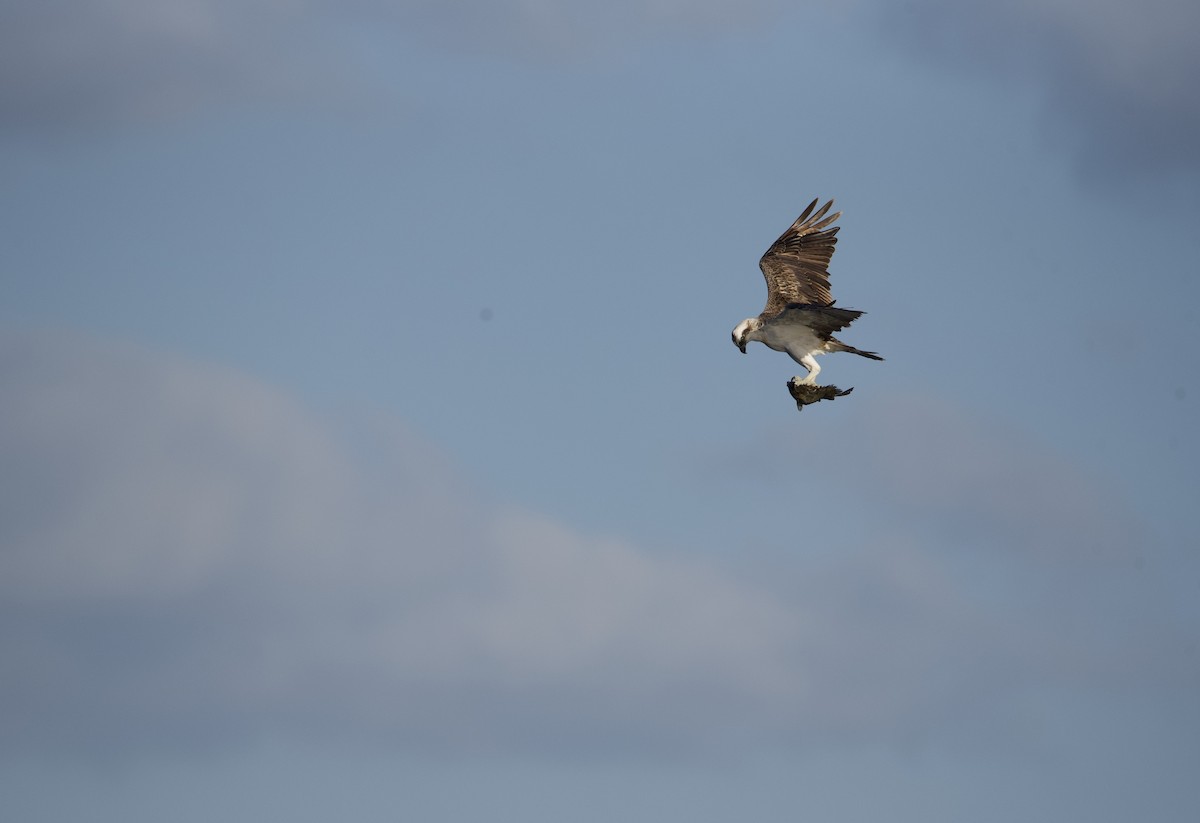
(840, 346)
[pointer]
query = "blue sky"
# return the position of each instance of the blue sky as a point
(372, 444)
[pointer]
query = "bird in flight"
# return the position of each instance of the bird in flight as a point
(800, 317)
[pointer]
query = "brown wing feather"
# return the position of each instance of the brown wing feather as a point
(796, 266)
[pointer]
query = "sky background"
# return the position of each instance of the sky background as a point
(372, 445)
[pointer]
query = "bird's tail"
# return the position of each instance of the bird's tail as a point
(840, 346)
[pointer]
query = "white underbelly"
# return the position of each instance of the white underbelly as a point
(793, 338)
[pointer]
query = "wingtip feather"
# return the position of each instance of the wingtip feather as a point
(831, 219)
(804, 214)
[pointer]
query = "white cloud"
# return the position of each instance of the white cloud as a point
(183, 545)
(189, 558)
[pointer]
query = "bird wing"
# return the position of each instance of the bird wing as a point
(823, 320)
(796, 266)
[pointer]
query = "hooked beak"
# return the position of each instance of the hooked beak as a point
(741, 344)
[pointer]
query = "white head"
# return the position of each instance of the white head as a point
(745, 331)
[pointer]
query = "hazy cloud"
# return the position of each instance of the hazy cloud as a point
(1119, 75)
(1118, 78)
(68, 63)
(189, 558)
(984, 484)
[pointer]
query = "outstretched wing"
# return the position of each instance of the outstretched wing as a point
(796, 266)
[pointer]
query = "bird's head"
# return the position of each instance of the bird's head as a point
(743, 332)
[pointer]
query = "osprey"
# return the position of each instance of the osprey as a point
(799, 317)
